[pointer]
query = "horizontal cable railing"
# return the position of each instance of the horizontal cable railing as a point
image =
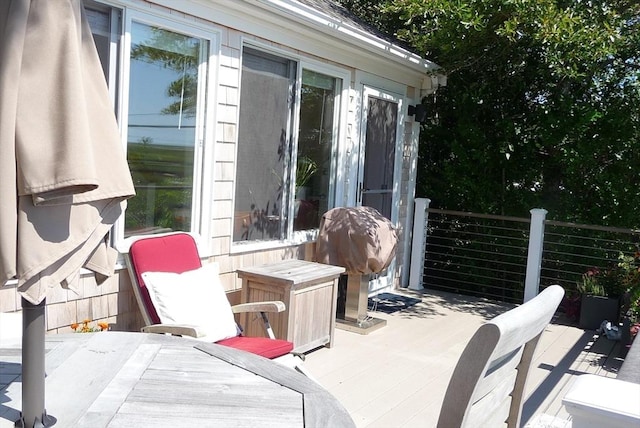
(486, 255)
(476, 254)
(571, 249)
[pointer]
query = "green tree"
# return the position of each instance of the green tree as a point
(179, 53)
(540, 109)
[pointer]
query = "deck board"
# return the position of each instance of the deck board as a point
(396, 377)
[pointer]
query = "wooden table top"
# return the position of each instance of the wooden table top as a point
(289, 272)
(118, 379)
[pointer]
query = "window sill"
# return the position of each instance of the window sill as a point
(299, 238)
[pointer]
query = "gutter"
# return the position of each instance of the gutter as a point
(333, 27)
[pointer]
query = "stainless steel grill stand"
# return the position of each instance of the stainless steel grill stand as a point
(356, 318)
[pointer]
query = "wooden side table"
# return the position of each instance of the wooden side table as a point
(309, 291)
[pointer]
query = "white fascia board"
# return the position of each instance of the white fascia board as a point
(303, 28)
(329, 25)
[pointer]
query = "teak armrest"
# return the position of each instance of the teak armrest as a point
(175, 329)
(262, 308)
(271, 306)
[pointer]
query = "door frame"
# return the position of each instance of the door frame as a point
(377, 91)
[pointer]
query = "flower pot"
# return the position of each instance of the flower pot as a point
(571, 306)
(301, 193)
(595, 309)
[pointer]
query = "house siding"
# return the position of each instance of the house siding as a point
(113, 301)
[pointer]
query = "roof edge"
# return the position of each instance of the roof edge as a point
(324, 23)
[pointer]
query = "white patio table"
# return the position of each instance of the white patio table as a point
(118, 379)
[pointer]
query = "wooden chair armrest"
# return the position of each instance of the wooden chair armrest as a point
(174, 329)
(272, 306)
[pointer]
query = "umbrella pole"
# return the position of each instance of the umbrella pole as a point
(33, 413)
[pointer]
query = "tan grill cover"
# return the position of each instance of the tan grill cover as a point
(359, 239)
(64, 178)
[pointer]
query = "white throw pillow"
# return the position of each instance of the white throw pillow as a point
(194, 297)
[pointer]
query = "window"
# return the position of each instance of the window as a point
(264, 132)
(103, 22)
(316, 140)
(164, 114)
(167, 72)
(283, 178)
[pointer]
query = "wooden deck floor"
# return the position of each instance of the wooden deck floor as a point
(397, 376)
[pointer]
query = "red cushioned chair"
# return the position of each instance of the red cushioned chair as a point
(178, 253)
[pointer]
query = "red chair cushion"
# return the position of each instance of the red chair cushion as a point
(178, 253)
(263, 346)
(170, 253)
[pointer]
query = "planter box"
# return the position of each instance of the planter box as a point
(595, 309)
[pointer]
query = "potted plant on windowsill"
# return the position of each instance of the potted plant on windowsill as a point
(305, 169)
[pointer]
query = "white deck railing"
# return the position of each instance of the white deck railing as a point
(507, 258)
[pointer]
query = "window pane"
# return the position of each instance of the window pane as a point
(315, 139)
(161, 132)
(100, 23)
(266, 98)
(382, 122)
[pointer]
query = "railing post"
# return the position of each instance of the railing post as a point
(420, 219)
(534, 254)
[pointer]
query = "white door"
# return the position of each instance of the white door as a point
(380, 157)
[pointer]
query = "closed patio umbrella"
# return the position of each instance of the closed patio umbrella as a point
(63, 174)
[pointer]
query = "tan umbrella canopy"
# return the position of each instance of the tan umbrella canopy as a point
(63, 174)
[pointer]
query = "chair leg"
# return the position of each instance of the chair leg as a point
(302, 369)
(294, 362)
(267, 325)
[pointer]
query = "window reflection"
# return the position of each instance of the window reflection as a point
(163, 90)
(315, 139)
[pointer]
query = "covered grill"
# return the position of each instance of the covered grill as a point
(364, 242)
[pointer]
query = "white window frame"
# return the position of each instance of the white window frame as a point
(337, 149)
(337, 145)
(202, 198)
